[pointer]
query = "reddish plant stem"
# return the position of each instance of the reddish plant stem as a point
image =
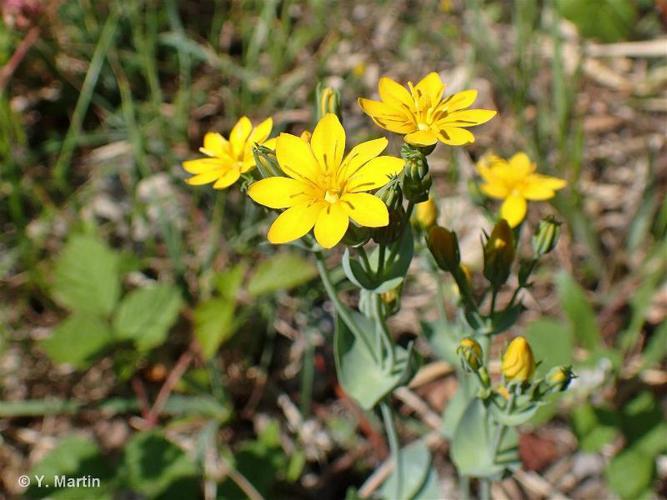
(175, 375)
(10, 67)
(141, 396)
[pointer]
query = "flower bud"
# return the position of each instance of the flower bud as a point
(471, 353)
(499, 254)
(266, 162)
(559, 378)
(393, 197)
(518, 363)
(546, 236)
(416, 176)
(444, 246)
(328, 101)
(426, 213)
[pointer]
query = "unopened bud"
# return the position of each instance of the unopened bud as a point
(266, 162)
(499, 254)
(416, 175)
(471, 353)
(328, 101)
(392, 196)
(559, 378)
(546, 236)
(518, 363)
(426, 213)
(444, 246)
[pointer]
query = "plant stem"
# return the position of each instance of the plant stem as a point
(464, 487)
(484, 489)
(382, 330)
(388, 417)
(364, 257)
(341, 309)
(380, 270)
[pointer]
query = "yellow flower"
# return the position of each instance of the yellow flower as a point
(324, 190)
(470, 350)
(515, 181)
(228, 158)
(518, 363)
(423, 115)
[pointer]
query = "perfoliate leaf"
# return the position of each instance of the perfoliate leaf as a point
(146, 314)
(77, 340)
(280, 272)
(416, 465)
(86, 277)
(364, 379)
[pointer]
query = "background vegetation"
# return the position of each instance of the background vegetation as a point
(149, 335)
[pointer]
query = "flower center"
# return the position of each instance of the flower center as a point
(331, 196)
(423, 126)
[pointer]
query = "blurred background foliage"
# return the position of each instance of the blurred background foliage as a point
(151, 337)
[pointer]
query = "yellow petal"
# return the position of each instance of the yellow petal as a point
(278, 192)
(387, 117)
(201, 165)
(521, 164)
(328, 142)
(455, 136)
(513, 210)
(215, 145)
(227, 179)
(395, 94)
(496, 190)
(296, 158)
(331, 225)
(270, 143)
(541, 187)
(359, 155)
(366, 209)
(239, 135)
(421, 138)
(460, 100)
(205, 178)
(431, 86)
(467, 118)
(293, 223)
(374, 174)
(261, 132)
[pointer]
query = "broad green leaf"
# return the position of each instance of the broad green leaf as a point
(656, 348)
(516, 417)
(416, 465)
(214, 324)
(430, 490)
(153, 464)
(443, 337)
(579, 312)
(73, 457)
(280, 272)
(605, 20)
(594, 427)
(77, 340)
(551, 343)
(146, 314)
(630, 473)
(393, 274)
(363, 378)
(86, 277)
(473, 442)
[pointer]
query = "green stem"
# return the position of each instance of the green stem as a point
(502, 427)
(494, 295)
(364, 257)
(485, 489)
(464, 487)
(380, 270)
(382, 331)
(341, 309)
(388, 417)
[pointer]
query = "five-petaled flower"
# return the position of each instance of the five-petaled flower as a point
(323, 189)
(228, 159)
(515, 181)
(423, 115)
